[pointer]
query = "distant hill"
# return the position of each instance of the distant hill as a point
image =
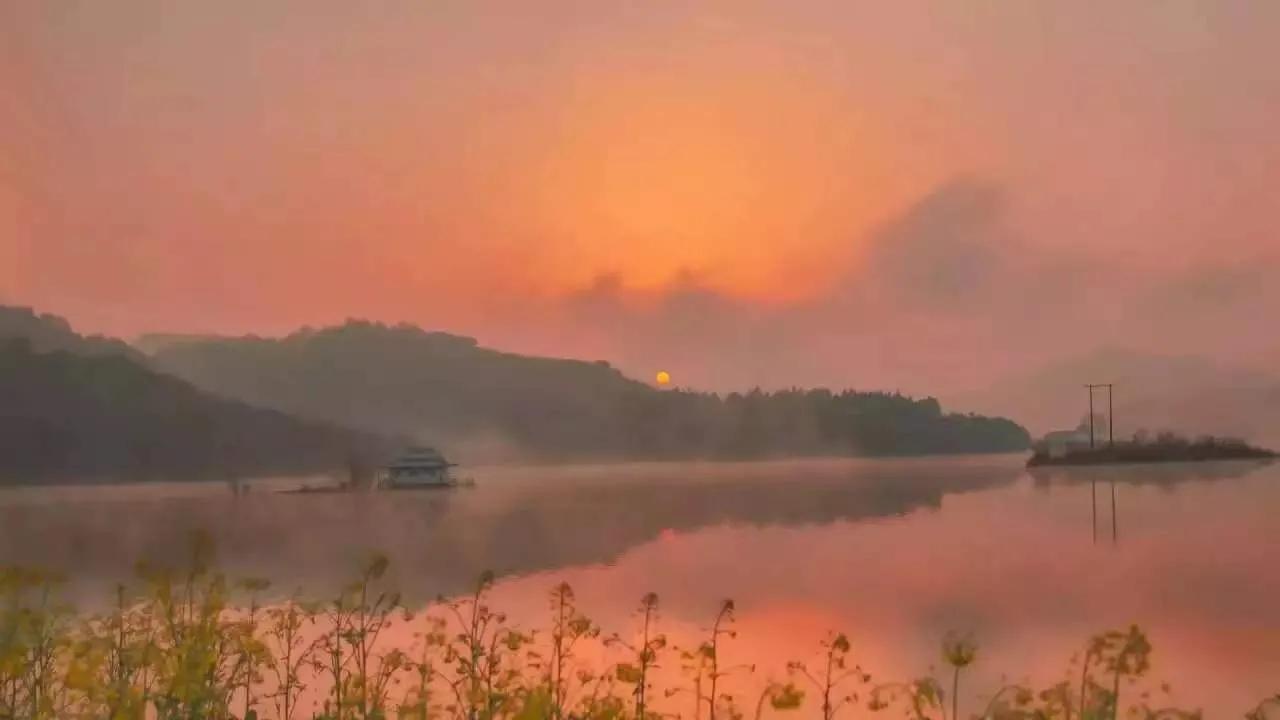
(1186, 394)
(480, 403)
(81, 408)
(150, 343)
(49, 332)
(83, 417)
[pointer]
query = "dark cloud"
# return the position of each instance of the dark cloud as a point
(946, 299)
(946, 251)
(1216, 285)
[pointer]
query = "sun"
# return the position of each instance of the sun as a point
(663, 377)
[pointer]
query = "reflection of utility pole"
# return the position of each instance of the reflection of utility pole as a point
(1093, 505)
(1115, 538)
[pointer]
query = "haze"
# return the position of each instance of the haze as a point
(926, 197)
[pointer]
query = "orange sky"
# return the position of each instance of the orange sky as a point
(652, 183)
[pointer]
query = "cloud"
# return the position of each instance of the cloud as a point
(945, 252)
(947, 296)
(940, 269)
(868, 195)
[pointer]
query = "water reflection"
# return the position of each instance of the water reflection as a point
(1167, 476)
(1010, 563)
(1163, 475)
(896, 553)
(516, 521)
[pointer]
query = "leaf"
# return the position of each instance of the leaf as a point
(377, 566)
(786, 697)
(537, 706)
(629, 673)
(840, 643)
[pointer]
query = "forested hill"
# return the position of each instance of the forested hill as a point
(46, 332)
(68, 416)
(483, 404)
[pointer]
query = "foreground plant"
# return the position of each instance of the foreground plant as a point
(192, 645)
(779, 696)
(374, 606)
(34, 635)
(703, 665)
(834, 673)
(483, 672)
(959, 652)
(644, 655)
(568, 628)
(110, 664)
(1268, 708)
(290, 652)
(195, 638)
(251, 654)
(1119, 655)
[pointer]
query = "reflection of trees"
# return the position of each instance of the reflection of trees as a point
(439, 542)
(1159, 474)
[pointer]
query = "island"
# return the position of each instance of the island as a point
(1166, 447)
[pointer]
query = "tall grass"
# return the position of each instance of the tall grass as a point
(187, 644)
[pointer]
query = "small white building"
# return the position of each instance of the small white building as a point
(1060, 442)
(418, 467)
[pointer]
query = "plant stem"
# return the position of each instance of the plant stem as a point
(955, 694)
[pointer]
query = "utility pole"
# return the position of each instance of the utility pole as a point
(1111, 426)
(1090, 415)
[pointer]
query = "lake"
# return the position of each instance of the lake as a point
(896, 553)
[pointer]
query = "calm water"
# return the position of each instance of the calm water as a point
(895, 553)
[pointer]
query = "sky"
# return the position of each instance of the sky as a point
(917, 196)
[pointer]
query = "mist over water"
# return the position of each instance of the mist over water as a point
(894, 552)
(516, 520)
